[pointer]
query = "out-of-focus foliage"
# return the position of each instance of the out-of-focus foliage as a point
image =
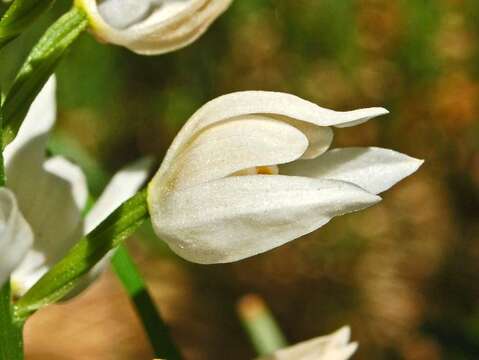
(404, 274)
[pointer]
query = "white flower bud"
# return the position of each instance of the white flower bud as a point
(151, 26)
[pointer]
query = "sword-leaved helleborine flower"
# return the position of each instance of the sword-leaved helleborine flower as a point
(331, 347)
(51, 194)
(251, 171)
(151, 26)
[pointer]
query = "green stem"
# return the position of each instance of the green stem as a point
(155, 327)
(11, 332)
(260, 325)
(11, 338)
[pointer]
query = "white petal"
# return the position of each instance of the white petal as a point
(271, 104)
(73, 175)
(16, 237)
(36, 126)
(165, 26)
(240, 216)
(331, 347)
(29, 271)
(234, 145)
(123, 13)
(122, 186)
(373, 169)
(51, 198)
(319, 137)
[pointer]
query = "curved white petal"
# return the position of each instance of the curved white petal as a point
(240, 216)
(374, 169)
(320, 138)
(152, 26)
(332, 347)
(124, 184)
(16, 237)
(271, 104)
(231, 146)
(35, 128)
(51, 198)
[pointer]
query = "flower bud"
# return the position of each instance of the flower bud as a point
(151, 27)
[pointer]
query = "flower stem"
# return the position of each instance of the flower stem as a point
(155, 327)
(11, 332)
(260, 325)
(11, 337)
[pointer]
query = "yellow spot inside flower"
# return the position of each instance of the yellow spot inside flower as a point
(267, 170)
(258, 170)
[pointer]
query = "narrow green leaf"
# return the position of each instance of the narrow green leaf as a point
(11, 339)
(67, 273)
(20, 15)
(38, 67)
(156, 329)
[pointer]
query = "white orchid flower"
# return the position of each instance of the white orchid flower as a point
(223, 192)
(151, 26)
(332, 347)
(52, 193)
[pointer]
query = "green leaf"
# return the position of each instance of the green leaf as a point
(67, 273)
(38, 67)
(156, 329)
(20, 15)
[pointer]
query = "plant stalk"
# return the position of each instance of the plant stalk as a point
(156, 329)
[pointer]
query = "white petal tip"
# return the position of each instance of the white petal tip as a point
(373, 112)
(343, 335)
(360, 116)
(382, 111)
(350, 350)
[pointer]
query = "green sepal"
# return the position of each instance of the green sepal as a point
(19, 15)
(38, 67)
(69, 272)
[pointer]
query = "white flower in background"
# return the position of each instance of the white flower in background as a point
(51, 193)
(332, 347)
(223, 192)
(151, 26)
(16, 236)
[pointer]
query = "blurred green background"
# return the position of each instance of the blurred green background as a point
(404, 274)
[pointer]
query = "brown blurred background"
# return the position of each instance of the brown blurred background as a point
(404, 274)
